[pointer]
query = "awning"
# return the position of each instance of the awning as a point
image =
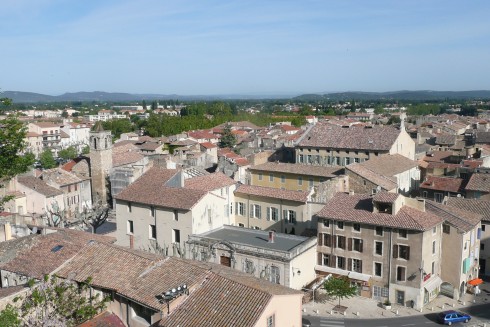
(433, 283)
(476, 281)
(350, 274)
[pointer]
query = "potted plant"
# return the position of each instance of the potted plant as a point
(387, 304)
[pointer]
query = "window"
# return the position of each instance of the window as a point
(152, 211)
(231, 208)
(326, 223)
(341, 242)
(326, 260)
(446, 229)
(271, 177)
(434, 230)
(483, 227)
(424, 194)
(400, 273)
(310, 182)
(260, 176)
(270, 321)
(379, 231)
(356, 227)
(357, 265)
(129, 207)
(176, 215)
(378, 248)
(401, 251)
(255, 211)
(438, 197)
(283, 179)
(130, 229)
(153, 232)
(300, 180)
(210, 216)
(433, 268)
(402, 233)
(272, 213)
(378, 269)
(433, 247)
(176, 236)
(274, 275)
(290, 216)
(357, 244)
(341, 262)
(340, 224)
(240, 208)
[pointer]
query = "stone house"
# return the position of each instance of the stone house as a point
(478, 186)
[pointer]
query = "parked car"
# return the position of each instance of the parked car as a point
(451, 316)
(305, 322)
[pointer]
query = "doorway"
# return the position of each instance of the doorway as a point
(400, 297)
(225, 261)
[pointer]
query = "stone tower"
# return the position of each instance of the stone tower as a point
(100, 161)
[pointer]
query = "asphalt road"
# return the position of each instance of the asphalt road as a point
(479, 313)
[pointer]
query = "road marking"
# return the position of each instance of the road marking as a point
(331, 323)
(409, 325)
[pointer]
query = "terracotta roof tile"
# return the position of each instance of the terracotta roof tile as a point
(326, 135)
(105, 319)
(208, 145)
(389, 164)
(209, 182)
(280, 167)
(461, 219)
(477, 206)
(298, 196)
(479, 182)
(359, 208)
(60, 176)
(39, 186)
(151, 189)
(385, 197)
(387, 183)
(448, 184)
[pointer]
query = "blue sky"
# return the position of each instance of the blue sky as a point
(245, 47)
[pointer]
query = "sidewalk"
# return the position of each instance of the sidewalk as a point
(361, 307)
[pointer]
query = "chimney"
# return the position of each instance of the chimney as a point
(351, 192)
(272, 236)
(131, 241)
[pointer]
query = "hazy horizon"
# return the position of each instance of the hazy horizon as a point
(243, 47)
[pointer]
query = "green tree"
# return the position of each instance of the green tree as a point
(58, 302)
(86, 150)
(64, 114)
(339, 287)
(47, 160)
(9, 317)
(12, 144)
(394, 120)
(68, 153)
(143, 104)
(228, 139)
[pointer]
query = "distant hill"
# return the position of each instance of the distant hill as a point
(29, 97)
(397, 95)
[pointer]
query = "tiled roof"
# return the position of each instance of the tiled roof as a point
(23, 255)
(208, 145)
(149, 146)
(209, 182)
(280, 167)
(201, 135)
(105, 319)
(326, 135)
(388, 183)
(359, 208)
(6, 291)
(269, 192)
(446, 139)
(389, 164)
(151, 189)
(125, 154)
(32, 134)
(385, 197)
(482, 137)
(39, 186)
(461, 219)
(60, 176)
(438, 156)
(448, 184)
(141, 276)
(46, 124)
(481, 207)
(479, 182)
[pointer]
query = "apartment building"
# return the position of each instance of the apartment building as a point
(51, 134)
(327, 144)
(386, 244)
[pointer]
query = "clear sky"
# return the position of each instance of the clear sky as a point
(245, 47)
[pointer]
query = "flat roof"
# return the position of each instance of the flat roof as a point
(254, 237)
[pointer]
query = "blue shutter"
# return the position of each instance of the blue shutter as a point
(478, 234)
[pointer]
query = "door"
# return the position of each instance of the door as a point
(400, 297)
(225, 261)
(483, 264)
(447, 289)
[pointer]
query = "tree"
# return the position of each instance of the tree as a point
(86, 150)
(58, 302)
(56, 217)
(95, 216)
(12, 144)
(143, 104)
(9, 317)
(64, 114)
(394, 120)
(47, 160)
(68, 153)
(340, 288)
(228, 139)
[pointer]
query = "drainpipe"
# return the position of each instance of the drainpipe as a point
(390, 257)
